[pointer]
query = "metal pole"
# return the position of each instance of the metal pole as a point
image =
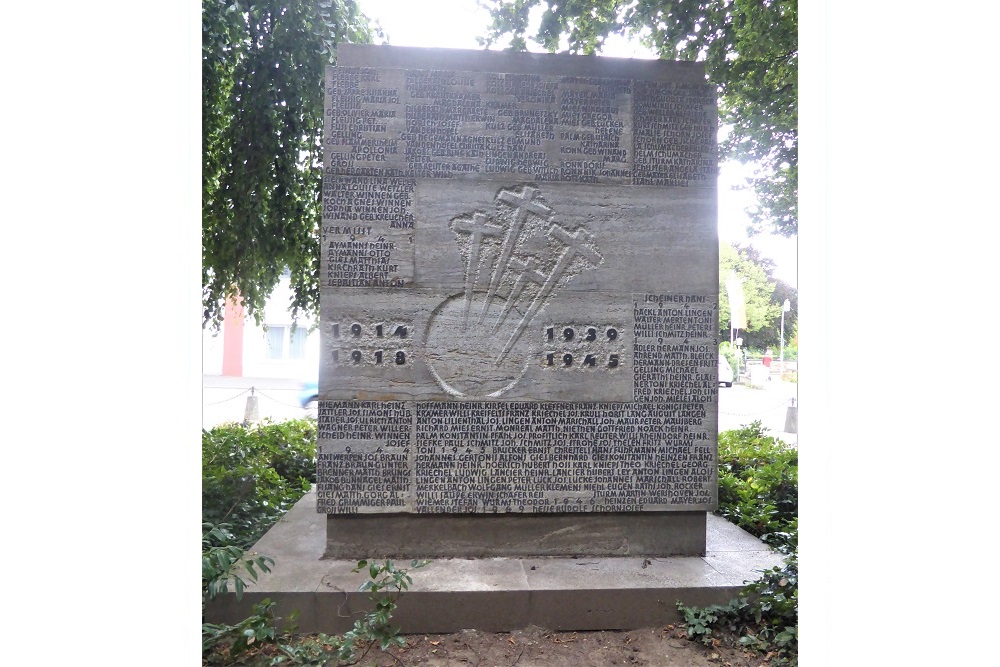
(785, 307)
(781, 357)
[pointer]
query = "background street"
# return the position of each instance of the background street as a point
(741, 404)
(224, 399)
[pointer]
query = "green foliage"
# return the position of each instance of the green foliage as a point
(385, 584)
(769, 611)
(236, 641)
(262, 116)
(762, 299)
(750, 50)
(257, 640)
(729, 352)
(310, 651)
(758, 490)
(770, 336)
(758, 485)
(791, 341)
(766, 615)
(767, 292)
(700, 620)
(251, 475)
(223, 562)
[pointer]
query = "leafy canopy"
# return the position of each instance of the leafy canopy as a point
(262, 117)
(750, 50)
(762, 294)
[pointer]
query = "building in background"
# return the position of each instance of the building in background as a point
(242, 349)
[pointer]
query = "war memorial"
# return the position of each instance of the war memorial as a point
(519, 334)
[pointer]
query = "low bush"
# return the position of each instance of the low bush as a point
(758, 491)
(730, 353)
(765, 615)
(759, 485)
(251, 475)
(224, 563)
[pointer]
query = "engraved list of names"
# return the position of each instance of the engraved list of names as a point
(519, 289)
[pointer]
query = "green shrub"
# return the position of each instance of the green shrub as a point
(222, 563)
(766, 615)
(729, 352)
(758, 491)
(758, 485)
(251, 475)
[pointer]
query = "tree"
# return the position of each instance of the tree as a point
(770, 333)
(762, 295)
(262, 117)
(750, 50)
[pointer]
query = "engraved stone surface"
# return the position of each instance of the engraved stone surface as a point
(519, 302)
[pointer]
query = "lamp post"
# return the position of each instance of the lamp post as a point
(785, 307)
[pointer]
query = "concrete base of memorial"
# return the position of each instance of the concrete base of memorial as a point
(497, 594)
(516, 535)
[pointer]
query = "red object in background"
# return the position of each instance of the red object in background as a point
(232, 339)
(766, 360)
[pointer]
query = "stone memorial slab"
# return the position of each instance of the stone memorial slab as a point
(519, 305)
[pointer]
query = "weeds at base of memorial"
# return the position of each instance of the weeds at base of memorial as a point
(765, 615)
(253, 474)
(257, 639)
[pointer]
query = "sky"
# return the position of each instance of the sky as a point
(457, 23)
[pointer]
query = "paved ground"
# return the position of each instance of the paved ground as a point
(741, 404)
(225, 399)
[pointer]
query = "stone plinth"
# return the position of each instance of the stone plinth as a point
(519, 307)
